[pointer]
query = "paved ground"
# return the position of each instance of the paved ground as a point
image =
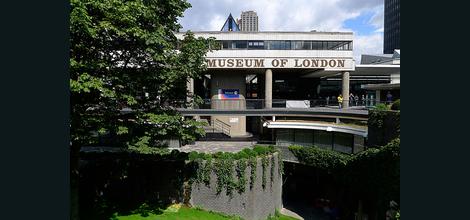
(290, 213)
(216, 146)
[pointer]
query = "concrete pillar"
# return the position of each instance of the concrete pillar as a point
(190, 89)
(345, 89)
(377, 96)
(268, 89)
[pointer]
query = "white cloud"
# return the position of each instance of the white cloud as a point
(377, 20)
(292, 15)
(367, 44)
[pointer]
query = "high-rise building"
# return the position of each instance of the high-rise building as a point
(391, 26)
(248, 21)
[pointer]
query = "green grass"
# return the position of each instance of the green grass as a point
(190, 214)
(283, 217)
(183, 213)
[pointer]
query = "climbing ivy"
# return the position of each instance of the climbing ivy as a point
(224, 164)
(280, 164)
(264, 164)
(240, 170)
(272, 169)
(223, 171)
(253, 163)
(204, 171)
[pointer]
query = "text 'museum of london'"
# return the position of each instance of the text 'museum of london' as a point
(261, 63)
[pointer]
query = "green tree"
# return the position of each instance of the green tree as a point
(124, 53)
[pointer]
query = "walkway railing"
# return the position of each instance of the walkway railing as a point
(221, 126)
(234, 104)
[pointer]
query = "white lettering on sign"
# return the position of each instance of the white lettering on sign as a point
(233, 120)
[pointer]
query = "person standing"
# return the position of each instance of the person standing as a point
(389, 97)
(356, 99)
(340, 101)
(351, 99)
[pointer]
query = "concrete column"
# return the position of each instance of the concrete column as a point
(377, 96)
(345, 89)
(190, 89)
(268, 88)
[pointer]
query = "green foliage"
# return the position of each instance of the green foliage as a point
(325, 159)
(396, 105)
(384, 126)
(280, 164)
(264, 165)
(226, 166)
(253, 163)
(382, 107)
(125, 54)
(240, 170)
(375, 171)
(223, 170)
(272, 169)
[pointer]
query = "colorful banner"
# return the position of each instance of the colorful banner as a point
(229, 94)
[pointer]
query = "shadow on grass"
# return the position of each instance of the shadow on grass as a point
(118, 185)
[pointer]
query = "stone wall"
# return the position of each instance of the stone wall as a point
(253, 204)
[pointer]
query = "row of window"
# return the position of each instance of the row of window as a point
(336, 141)
(284, 45)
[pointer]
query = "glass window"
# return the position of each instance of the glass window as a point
(284, 137)
(239, 44)
(323, 139)
(303, 137)
(316, 45)
(255, 45)
(297, 45)
(307, 45)
(226, 44)
(343, 142)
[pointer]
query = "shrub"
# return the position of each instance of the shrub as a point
(396, 105)
(382, 106)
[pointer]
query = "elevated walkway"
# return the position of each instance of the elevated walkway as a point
(322, 112)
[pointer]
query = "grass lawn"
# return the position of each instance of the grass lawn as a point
(189, 214)
(182, 213)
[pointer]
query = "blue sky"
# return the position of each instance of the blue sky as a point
(363, 17)
(360, 24)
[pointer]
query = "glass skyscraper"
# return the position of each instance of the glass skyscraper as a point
(391, 26)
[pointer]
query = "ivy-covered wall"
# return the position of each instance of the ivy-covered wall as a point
(247, 184)
(383, 126)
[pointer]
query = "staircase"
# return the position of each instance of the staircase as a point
(216, 130)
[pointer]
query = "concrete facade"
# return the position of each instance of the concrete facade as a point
(229, 80)
(253, 204)
(248, 21)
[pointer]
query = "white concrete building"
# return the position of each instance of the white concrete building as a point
(284, 70)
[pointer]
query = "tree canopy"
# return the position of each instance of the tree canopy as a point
(124, 54)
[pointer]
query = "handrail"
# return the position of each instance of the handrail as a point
(223, 126)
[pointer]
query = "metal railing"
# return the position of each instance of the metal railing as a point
(234, 104)
(221, 126)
